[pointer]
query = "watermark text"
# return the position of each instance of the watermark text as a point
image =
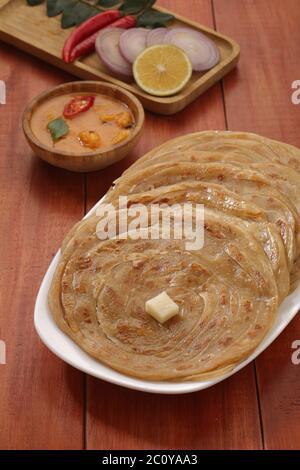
(296, 353)
(296, 93)
(2, 92)
(2, 352)
(154, 221)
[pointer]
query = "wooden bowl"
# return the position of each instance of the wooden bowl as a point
(94, 160)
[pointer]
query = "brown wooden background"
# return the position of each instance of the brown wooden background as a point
(46, 404)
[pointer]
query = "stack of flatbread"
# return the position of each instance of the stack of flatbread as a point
(228, 291)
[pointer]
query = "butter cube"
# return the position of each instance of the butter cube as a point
(162, 307)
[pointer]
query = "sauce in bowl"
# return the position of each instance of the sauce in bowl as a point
(82, 122)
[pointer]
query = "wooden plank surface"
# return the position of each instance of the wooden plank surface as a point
(41, 398)
(224, 417)
(258, 99)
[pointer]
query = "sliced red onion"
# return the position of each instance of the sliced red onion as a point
(202, 51)
(132, 43)
(107, 48)
(156, 36)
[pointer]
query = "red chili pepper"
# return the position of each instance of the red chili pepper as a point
(125, 22)
(88, 45)
(78, 105)
(88, 27)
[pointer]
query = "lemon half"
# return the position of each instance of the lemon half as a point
(162, 70)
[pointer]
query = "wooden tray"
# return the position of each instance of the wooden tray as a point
(29, 29)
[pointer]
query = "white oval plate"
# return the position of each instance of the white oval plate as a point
(61, 345)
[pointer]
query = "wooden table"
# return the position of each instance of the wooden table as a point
(46, 404)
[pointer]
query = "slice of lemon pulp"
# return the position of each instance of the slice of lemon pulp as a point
(162, 70)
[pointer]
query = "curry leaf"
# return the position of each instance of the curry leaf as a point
(55, 7)
(153, 19)
(69, 15)
(32, 3)
(133, 7)
(58, 128)
(108, 3)
(75, 13)
(85, 13)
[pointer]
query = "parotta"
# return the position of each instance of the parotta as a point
(228, 292)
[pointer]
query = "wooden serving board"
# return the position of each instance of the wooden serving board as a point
(29, 29)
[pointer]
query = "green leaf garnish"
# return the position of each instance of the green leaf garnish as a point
(58, 128)
(154, 19)
(75, 12)
(56, 7)
(108, 3)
